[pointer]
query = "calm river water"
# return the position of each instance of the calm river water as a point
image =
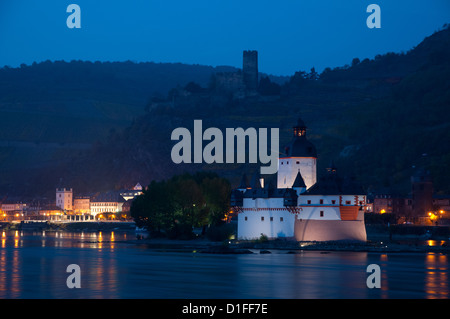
(33, 265)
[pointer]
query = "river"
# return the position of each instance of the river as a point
(33, 265)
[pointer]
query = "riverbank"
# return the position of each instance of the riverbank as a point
(380, 238)
(290, 246)
(392, 246)
(400, 238)
(91, 226)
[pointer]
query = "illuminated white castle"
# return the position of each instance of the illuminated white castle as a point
(300, 207)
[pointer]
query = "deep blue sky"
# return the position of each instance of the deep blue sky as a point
(290, 35)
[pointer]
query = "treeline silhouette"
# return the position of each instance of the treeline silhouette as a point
(376, 118)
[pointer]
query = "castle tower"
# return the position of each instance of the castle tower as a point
(64, 198)
(300, 156)
(250, 71)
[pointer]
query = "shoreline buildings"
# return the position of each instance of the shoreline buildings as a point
(67, 206)
(420, 206)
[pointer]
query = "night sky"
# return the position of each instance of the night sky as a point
(290, 35)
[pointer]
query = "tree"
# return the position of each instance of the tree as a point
(217, 193)
(190, 202)
(202, 198)
(298, 78)
(182, 203)
(139, 210)
(355, 61)
(155, 209)
(313, 75)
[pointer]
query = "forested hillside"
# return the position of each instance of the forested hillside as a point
(375, 118)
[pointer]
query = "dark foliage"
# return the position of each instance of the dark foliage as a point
(176, 206)
(377, 118)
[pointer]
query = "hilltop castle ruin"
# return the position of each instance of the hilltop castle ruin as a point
(243, 83)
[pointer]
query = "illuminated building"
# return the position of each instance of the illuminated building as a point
(82, 205)
(107, 204)
(12, 210)
(132, 193)
(415, 206)
(301, 207)
(64, 198)
(301, 155)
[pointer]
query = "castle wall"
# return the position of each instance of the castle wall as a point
(230, 81)
(314, 222)
(319, 213)
(330, 230)
(318, 217)
(265, 216)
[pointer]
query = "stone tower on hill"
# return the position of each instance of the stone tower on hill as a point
(243, 83)
(250, 71)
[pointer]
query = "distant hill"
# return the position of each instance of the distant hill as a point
(76, 101)
(86, 95)
(52, 111)
(375, 118)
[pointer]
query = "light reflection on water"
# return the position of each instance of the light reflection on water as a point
(33, 265)
(437, 281)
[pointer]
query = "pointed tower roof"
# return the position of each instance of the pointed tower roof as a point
(300, 123)
(299, 145)
(299, 182)
(244, 182)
